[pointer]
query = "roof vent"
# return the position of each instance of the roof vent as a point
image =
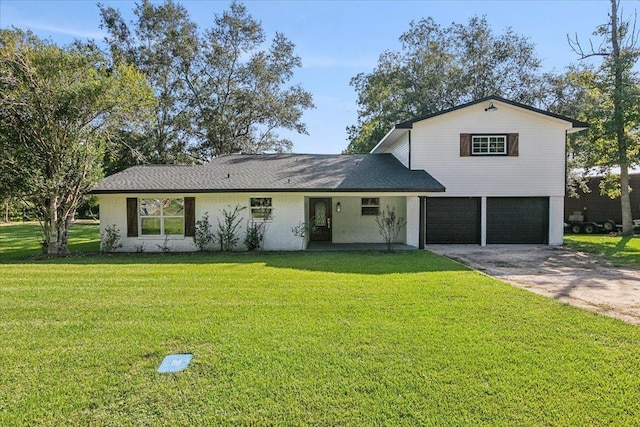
(228, 175)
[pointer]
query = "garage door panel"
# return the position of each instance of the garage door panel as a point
(517, 220)
(453, 220)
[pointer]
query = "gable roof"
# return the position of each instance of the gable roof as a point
(274, 173)
(574, 123)
(402, 127)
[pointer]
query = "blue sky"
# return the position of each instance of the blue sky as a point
(339, 39)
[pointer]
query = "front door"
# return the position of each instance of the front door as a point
(320, 220)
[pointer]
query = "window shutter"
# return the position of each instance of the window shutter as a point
(512, 148)
(465, 144)
(190, 216)
(132, 217)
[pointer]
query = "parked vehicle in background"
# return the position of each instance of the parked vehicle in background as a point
(593, 212)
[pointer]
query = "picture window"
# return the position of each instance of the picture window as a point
(161, 217)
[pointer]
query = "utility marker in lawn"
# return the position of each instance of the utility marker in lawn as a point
(175, 363)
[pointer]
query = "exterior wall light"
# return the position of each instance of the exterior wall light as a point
(491, 107)
(338, 207)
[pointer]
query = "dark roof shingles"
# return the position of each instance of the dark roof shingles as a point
(274, 172)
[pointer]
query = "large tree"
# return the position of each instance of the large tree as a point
(438, 68)
(241, 92)
(613, 105)
(162, 43)
(219, 90)
(58, 108)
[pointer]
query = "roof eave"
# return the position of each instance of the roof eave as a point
(392, 136)
(272, 190)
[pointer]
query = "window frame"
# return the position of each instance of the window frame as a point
(162, 216)
(254, 211)
(505, 142)
(367, 208)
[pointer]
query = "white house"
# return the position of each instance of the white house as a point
(490, 171)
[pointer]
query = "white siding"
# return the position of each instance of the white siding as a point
(400, 150)
(537, 171)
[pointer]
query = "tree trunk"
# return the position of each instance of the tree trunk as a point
(625, 202)
(619, 121)
(55, 228)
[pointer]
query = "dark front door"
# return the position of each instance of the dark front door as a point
(320, 220)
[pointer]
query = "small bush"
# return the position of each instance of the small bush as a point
(301, 230)
(227, 233)
(389, 226)
(203, 235)
(253, 237)
(110, 239)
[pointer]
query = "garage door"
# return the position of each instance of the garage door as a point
(518, 220)
(453, 220)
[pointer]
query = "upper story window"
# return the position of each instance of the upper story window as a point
(488, 144)
(370, 206)
(161, 217)
(261, 207)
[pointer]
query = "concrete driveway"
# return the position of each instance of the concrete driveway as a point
(561, 273)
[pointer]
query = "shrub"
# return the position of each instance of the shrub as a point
(389, 226)
(253, 237)
(110, 239)
(203, 235)
(301, 230)
(227, 233)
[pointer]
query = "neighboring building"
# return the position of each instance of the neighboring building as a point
(491, 171)
(595, 207)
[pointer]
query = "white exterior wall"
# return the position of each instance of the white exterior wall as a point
(538, 170)
(400, 150)
(288, 210)
(350, 226)
(413, 221)
(556, 221)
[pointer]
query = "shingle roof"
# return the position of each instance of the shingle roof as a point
(275, 172)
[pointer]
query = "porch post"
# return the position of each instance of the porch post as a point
(483, 221)
(422, 222)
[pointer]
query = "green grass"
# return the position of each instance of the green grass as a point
(619, 250)
(21, 240)
(336, 338)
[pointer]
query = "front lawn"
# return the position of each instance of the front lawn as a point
(619, 250)
(335, 338)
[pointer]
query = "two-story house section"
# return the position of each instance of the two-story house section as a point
(503, 165)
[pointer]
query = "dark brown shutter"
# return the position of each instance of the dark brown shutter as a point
(465, 144)
(190, 216)
(513, 144)
(132, 217)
